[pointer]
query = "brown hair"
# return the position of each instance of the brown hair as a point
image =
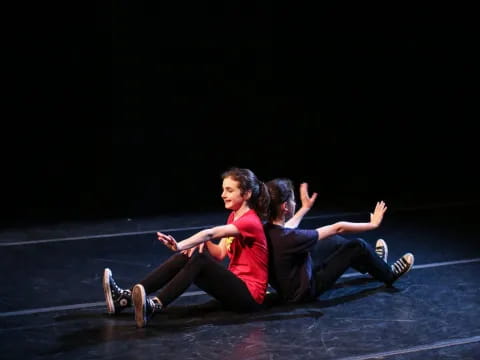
(248, 181)
(280, 190)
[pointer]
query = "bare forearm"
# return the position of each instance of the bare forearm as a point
(297, 218)
(194, 240)
(344, 227)
(218, 251)
(216, 232)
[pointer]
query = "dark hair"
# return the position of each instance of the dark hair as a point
(280, 190)
(248, 181)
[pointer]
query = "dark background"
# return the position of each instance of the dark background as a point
(135, 109)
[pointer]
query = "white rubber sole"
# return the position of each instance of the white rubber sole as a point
(381, 242)
(412, 261)
(107, 273)
(139, 297)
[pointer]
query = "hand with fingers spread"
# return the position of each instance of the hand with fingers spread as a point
(377, 216)
(190, 252)
(307, 201)
(168, 241)
(307, 204)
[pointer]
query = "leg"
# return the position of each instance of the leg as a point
(215, 279)
(326, 247)
(368, 261)
(227, 288)
(351, 252)
(118, 299)
(164, 272)
(209, 275)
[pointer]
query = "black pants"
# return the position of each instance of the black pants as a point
(334, 255)
(176, 274)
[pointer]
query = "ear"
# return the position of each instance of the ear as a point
(247, 195)
(284, 207)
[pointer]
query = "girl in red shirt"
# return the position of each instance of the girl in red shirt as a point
(240, 287)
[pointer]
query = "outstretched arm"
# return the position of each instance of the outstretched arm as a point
(307, 204)
(217, 232)
(344, 227)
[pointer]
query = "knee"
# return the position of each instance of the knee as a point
(199, 255)
(178, 256)
(358, 243)
(198, 258)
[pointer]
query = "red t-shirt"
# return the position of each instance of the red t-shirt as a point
(248, 254)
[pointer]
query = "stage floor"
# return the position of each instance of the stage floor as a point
(53, 308)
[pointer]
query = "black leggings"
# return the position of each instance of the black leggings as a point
(176, 274)
(336, 254)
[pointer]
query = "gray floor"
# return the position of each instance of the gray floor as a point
(52, 298)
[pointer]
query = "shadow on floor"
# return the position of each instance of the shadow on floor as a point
(180, 318)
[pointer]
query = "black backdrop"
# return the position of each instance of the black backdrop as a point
(137, 108)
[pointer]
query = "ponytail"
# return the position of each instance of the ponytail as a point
(262, 204)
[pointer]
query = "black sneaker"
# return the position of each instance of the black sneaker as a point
(403, 265)
(145, 307)
(381, 249)
(116, 298)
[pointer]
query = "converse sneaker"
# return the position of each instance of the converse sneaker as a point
(116, 298)
(381, 249)
(402, 265)
(145, 307)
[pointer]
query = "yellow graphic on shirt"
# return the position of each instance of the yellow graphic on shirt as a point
(228, 242)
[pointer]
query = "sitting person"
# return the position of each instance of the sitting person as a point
(293, 274)
(240, 287)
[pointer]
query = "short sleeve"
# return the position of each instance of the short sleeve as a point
(248, 229)
(298, 240)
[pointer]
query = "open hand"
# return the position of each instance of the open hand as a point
(168, 241)
(307, 201)
(377, 216)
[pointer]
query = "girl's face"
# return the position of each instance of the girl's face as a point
(290, 207)
(231, 194)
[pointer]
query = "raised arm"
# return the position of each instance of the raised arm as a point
(307, 204)
(344, 227)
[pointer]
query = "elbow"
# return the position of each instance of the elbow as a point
(339, 228)
(208, 234)
(217, 257)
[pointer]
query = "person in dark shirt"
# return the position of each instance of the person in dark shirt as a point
(297, 276)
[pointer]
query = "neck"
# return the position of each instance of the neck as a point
(241, 211)
(279, 221)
